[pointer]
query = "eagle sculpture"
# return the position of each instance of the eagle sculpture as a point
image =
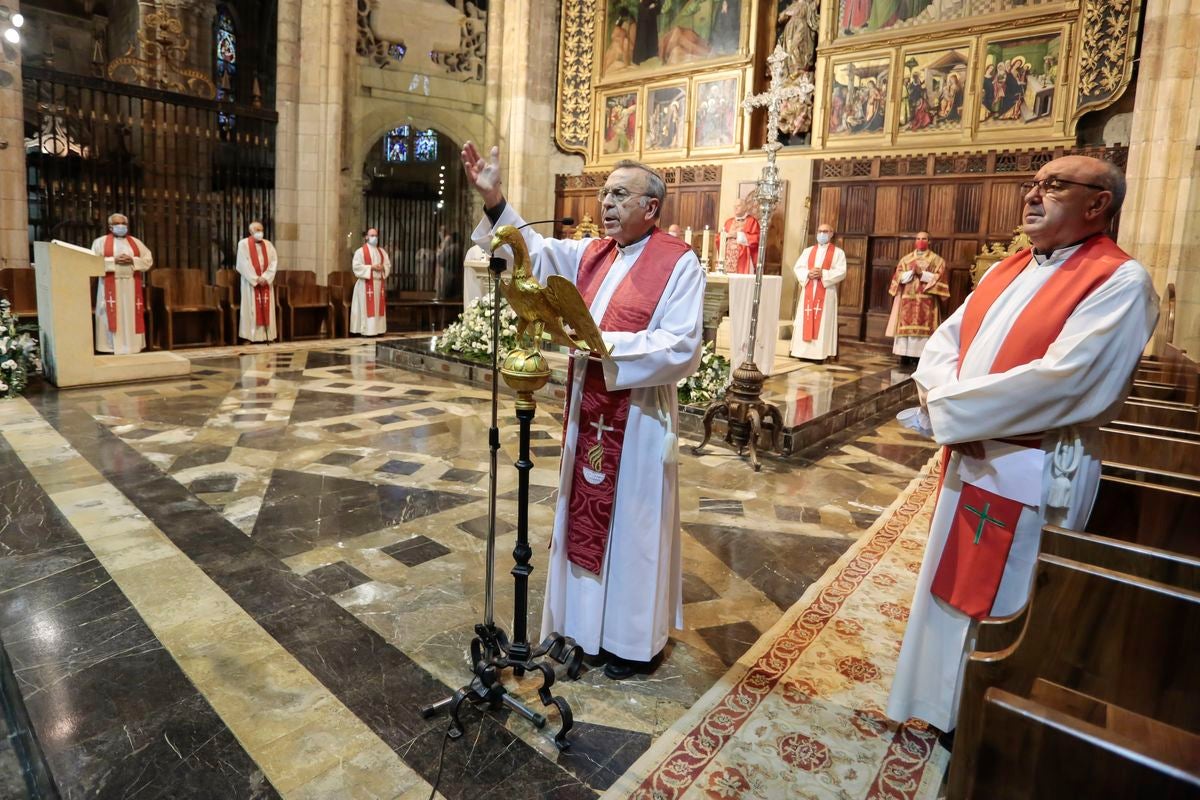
(553, 308)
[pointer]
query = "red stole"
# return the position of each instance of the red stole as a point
(969, 572)
(262, 292)
(376, 306)
(603, 413)
(110, 290)
(814, 294)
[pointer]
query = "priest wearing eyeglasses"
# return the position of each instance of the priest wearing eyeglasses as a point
(1016, 384)
(614, 582)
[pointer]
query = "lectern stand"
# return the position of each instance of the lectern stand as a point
(65, 311)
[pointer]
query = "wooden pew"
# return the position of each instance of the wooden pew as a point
(19, 286)
(341, 294)
(1147, 514)
(307, 309)
(1121, 640)
(1168, 415)
(1154, 451)
(1123, 556)
(1029, 748)
(182, 300)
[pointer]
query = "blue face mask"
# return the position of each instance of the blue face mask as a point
(823, 238)
(120, 230)
(373, 240)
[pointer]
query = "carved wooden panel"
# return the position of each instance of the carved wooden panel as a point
(943, 201)
(887, 210)
(1007, 202)
(966, 201)
(693, 194)
(967, 208)
(856, 209)
(830, 203)
(914, 206)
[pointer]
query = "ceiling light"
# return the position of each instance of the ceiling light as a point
(12, 36)
(18, 20)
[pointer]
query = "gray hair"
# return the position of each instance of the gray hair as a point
(254, 222)
(116, 214)
(1113, 179)
(654, 183)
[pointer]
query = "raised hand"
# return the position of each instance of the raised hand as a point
(483, 174)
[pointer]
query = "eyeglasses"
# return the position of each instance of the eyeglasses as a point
(619, 195)
(1056, 186)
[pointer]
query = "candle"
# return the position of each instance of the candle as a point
(687, 235)
(704, 240)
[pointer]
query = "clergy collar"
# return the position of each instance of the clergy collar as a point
(635, 245)
(1062, 252)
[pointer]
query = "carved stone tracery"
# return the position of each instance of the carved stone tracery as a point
(162, 63)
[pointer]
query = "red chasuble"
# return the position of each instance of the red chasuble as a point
(110, 290)
(973, 561)
(814, 294)
(603, 413)
(376, 306)
(262, 292)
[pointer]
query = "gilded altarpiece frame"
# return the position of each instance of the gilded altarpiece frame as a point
(595, 49)
(1096, 53)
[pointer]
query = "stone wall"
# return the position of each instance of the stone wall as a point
(14, 207)
(1160, 224)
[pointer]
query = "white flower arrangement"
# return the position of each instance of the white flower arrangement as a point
(471, 336)
(708, 382)
(18, 354)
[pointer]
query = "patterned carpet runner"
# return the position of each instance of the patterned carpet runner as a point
(801, 713)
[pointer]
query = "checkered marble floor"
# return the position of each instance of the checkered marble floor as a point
(364, 487)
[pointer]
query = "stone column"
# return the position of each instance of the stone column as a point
(14, 202)
(1160, 224)
(522, 82)
(314, 43)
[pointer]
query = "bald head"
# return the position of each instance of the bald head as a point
(1071, 198)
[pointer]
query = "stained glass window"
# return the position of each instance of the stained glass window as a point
(395, 145)
(226, 54)
(426, 145)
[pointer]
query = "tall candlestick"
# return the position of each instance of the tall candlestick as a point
(687, 235)
(704, 240)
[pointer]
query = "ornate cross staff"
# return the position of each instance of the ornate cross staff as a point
(768, 188)
(743, 405)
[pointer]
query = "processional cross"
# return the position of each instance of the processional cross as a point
(743, 405)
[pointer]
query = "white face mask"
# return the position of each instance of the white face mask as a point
(372, 240)
(823, 238)
(120, 230)
(258, 235)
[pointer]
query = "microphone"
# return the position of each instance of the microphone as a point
(562, 221)
(497, 264)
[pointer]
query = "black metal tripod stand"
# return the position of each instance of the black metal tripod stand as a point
(491, 650)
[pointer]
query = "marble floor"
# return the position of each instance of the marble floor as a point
(244, 583)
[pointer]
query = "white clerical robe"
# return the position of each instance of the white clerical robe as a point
(377, 271)
(126, 339)
(825, 345)
(631, 606)
(1076, 387)
(248, 327)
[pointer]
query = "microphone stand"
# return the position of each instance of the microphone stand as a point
(491, 651)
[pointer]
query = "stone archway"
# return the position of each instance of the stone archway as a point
(413, 190)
